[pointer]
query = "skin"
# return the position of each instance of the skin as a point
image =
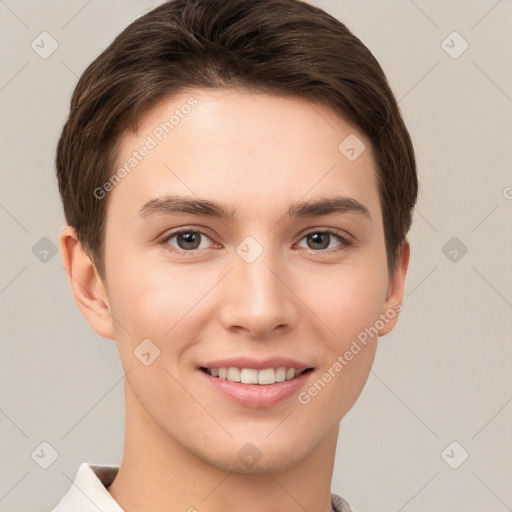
(258, 153)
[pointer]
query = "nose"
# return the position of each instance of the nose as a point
(259, 299)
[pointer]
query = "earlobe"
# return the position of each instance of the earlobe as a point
(86, 285)
(395, 293)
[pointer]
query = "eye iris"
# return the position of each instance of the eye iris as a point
(189, 238)
(317, 239)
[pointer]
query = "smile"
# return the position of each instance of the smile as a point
(253, 376)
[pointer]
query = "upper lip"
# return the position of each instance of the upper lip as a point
(258, 364)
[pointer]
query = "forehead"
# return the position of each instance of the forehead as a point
(236, 146)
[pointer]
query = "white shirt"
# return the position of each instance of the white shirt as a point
(89, 493)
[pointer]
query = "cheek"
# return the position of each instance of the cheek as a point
(350, 305)
(143, 290)
(348, 299)
(157, 302)
(151, 310)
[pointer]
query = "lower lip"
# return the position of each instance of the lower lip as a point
(257, 395)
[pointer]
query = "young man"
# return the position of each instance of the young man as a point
(238, 184)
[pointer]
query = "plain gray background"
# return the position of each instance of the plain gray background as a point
(442, 376)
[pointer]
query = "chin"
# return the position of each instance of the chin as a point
(268, 463)
(257, 455)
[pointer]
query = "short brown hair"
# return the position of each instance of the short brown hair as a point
(285, 47)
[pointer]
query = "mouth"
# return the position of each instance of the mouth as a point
(253, 376)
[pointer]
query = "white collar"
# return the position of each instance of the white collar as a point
(89, 493)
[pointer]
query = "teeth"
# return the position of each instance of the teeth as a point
(233, 374)
(281, 374)
(253, 376)
(248, 376)
(267, 376)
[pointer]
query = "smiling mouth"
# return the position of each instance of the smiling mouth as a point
(254, 376)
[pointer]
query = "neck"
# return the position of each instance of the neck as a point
(158, 473)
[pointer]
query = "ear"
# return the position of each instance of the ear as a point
(393, 303)
(87, 287)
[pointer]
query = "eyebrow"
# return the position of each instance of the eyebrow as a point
(170, 204)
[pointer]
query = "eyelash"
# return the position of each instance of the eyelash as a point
(345, 241)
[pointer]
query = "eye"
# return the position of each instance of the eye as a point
(188, 240)
(320, 240)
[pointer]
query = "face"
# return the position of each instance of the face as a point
(257, 278)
